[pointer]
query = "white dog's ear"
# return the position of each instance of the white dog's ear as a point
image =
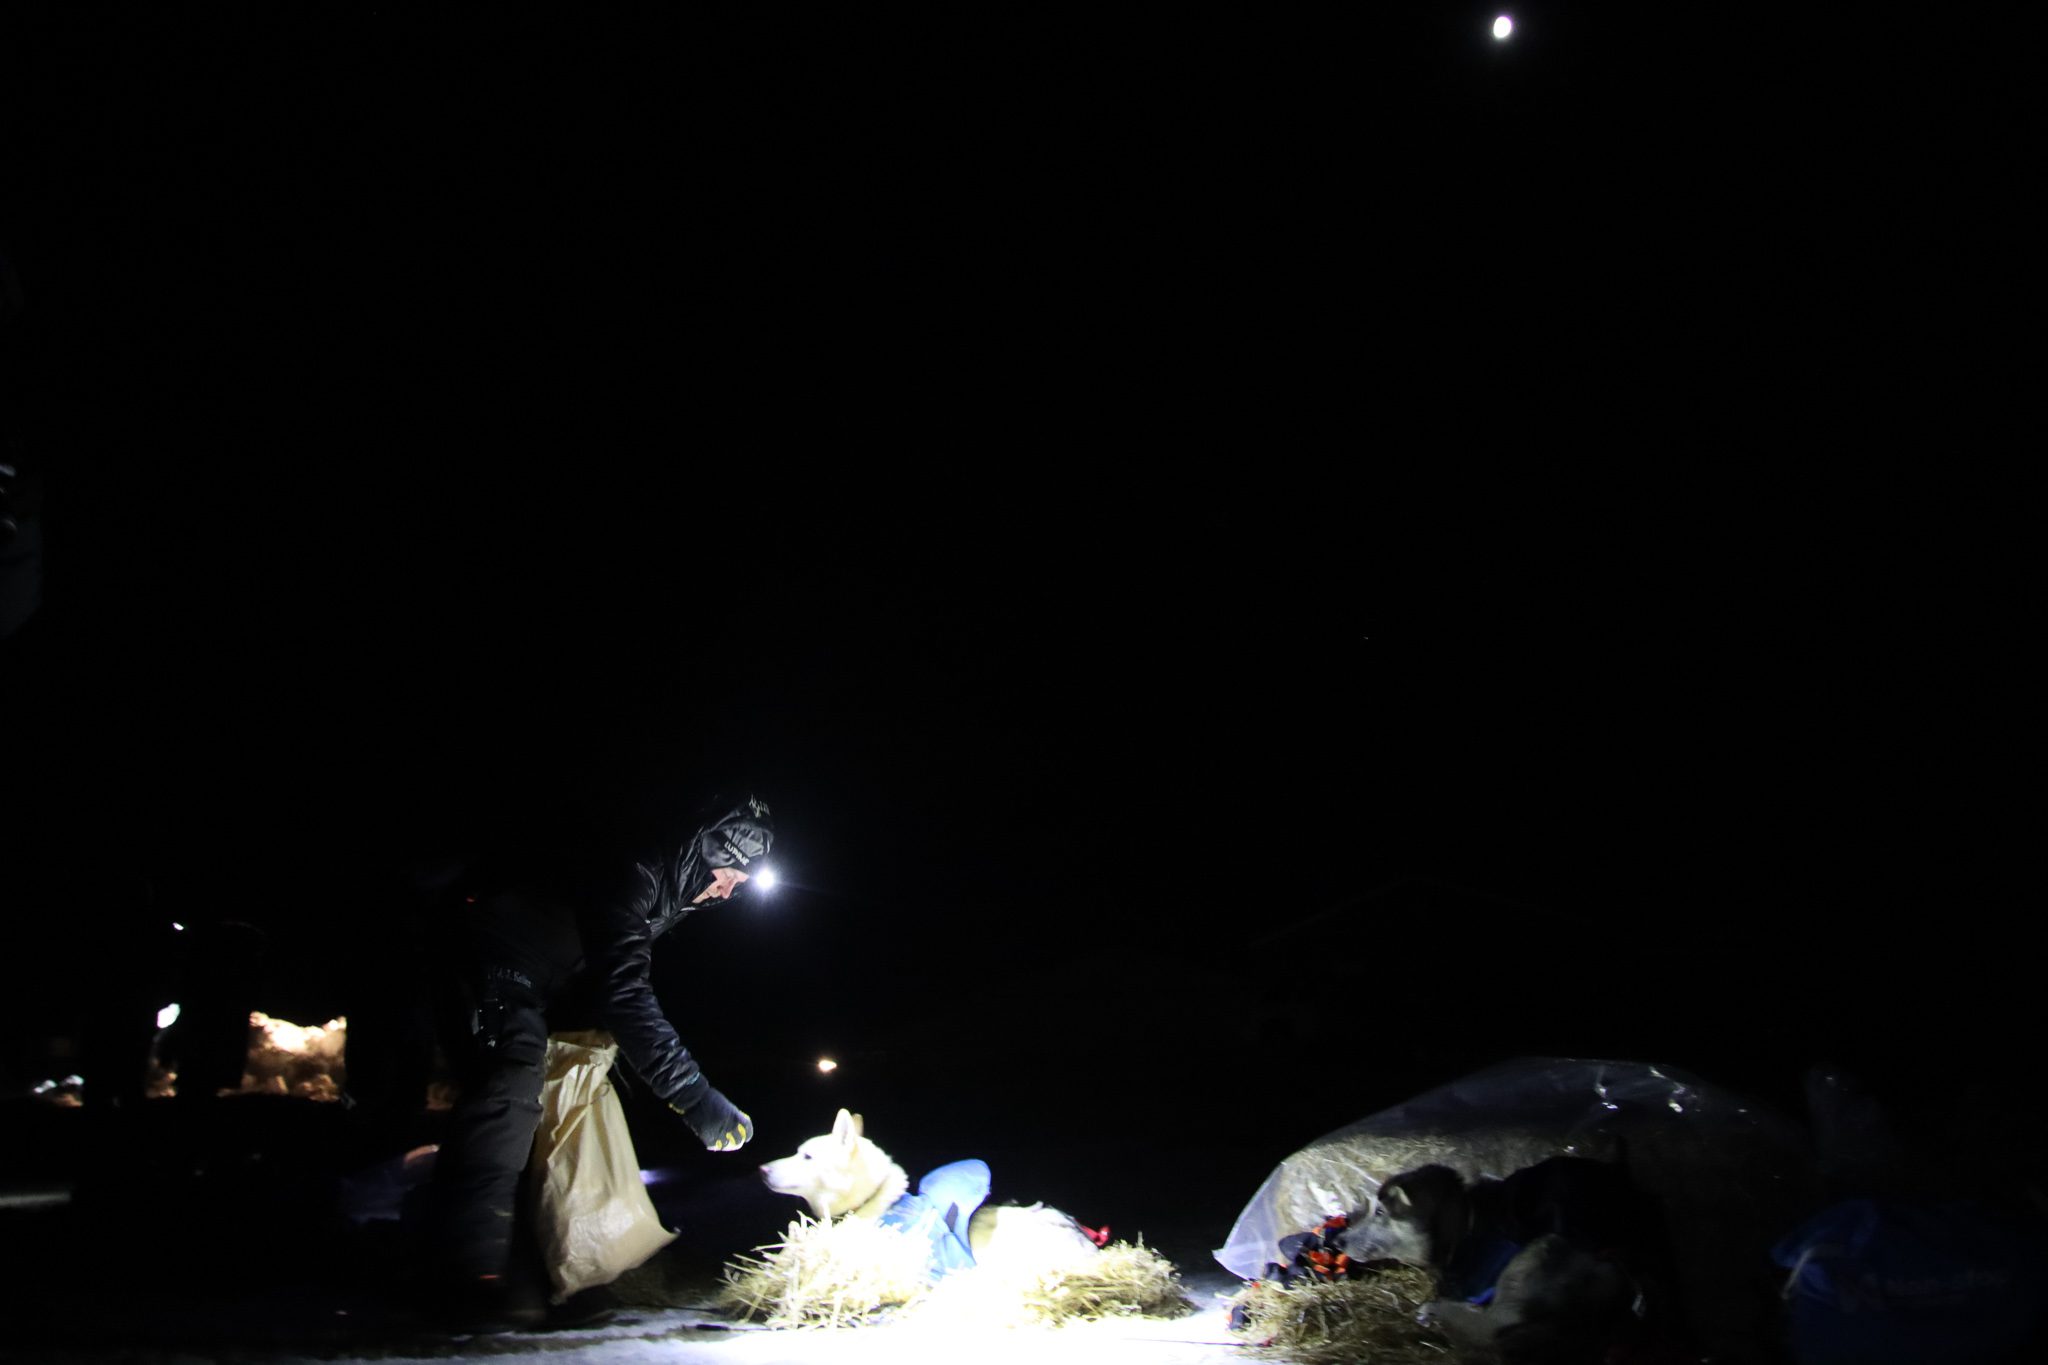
(860, 1128)
(846, 1127)
(1397, 1198)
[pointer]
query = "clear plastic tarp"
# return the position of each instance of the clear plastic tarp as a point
(1730, 1174)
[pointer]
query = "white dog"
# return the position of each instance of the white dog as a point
(843, 1174)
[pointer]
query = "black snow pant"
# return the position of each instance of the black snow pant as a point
(490, 1139)
(517, 955)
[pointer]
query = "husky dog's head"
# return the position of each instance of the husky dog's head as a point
(838, 1173)
(1418, 1219)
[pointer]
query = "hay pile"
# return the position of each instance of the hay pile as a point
(1123, 1280)
(1369, 1318)
(305, 1060)
(838, 1274)
(852, 1272)
(283, 1058)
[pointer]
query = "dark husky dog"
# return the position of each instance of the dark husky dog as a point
(1552, 1265)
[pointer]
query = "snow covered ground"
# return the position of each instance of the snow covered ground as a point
(679, 1336)
(116, 1324)
(684, 1337)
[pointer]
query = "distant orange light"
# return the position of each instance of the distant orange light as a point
(827, 1064)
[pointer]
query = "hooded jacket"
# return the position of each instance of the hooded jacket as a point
(590, 956)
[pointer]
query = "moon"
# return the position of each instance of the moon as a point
(1503, 26)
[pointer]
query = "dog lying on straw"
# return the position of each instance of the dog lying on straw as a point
(876, 1244)
(843, 1174)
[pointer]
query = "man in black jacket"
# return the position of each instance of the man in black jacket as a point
(542, 957)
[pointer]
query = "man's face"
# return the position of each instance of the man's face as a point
(724, 881)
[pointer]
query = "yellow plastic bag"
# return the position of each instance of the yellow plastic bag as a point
(591, 1211)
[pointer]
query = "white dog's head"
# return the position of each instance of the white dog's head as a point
(838, 1173)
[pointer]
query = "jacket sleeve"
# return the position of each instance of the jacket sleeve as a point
(620, 951)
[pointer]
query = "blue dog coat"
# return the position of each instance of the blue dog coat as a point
(946, 1198)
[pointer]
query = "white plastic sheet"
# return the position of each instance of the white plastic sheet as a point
(592, 1212)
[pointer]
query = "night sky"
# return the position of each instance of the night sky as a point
(994, 446)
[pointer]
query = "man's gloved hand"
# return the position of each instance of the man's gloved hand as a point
(718, 1123)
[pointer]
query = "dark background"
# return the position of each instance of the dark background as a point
(1121, 494)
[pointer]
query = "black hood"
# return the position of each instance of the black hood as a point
(739, 838)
